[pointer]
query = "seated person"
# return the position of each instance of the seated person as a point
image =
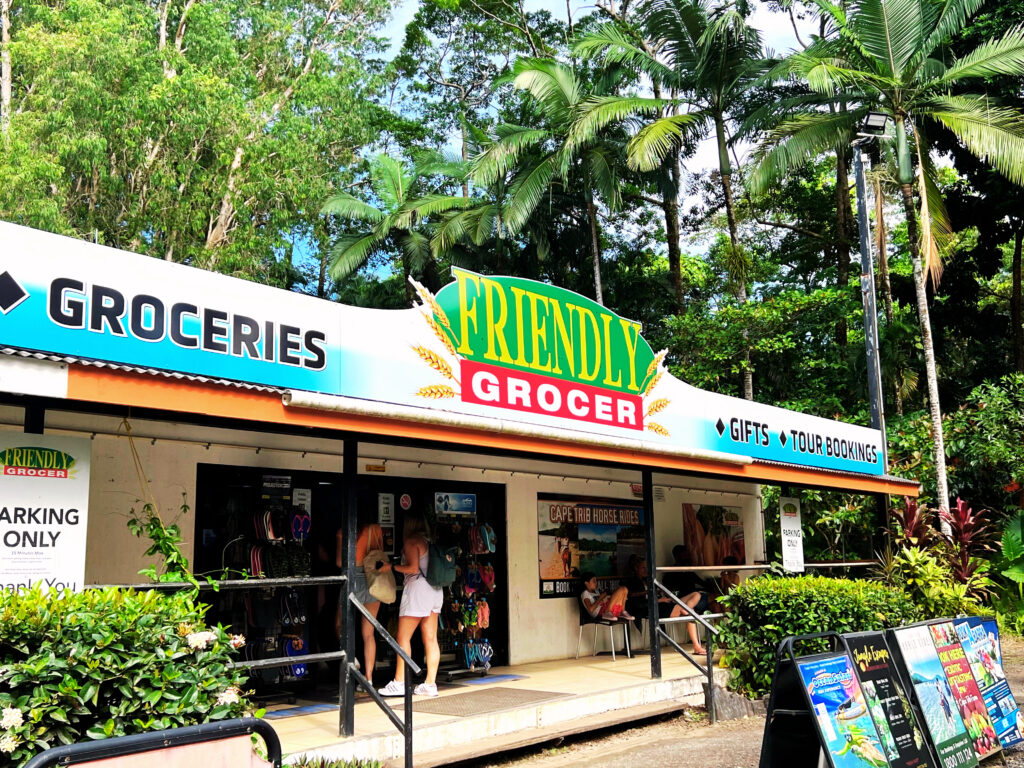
(686, 583)
(602, 604)
(667, 608)
(727, 580)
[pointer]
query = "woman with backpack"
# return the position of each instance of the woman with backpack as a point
(420, 606)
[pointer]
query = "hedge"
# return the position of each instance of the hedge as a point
(763, 611)
(104, 663)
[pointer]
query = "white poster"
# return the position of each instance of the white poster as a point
(44, 501)
(303, 497)
(792, 535)
(386, 508)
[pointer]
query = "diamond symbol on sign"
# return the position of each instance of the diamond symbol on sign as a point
(11, 293)
(782, 438)
(720, 426)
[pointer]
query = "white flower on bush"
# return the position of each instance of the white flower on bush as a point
(229, 696)
(11, 718)
(200, 640)
(237, 641)
(8, 743)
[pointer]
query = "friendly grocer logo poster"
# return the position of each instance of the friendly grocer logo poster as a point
(44, 500)
(522, 345)
(841, 714)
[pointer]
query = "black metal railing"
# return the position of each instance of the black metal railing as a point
(711, 633)
(404, 724)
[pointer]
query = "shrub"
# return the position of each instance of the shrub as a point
(929, 581)
(104, 663)
(764, 611)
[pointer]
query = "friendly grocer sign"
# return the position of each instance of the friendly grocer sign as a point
(528, 346)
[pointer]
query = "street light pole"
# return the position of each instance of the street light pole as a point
(867, 289)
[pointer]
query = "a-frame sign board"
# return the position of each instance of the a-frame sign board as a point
(817, 715)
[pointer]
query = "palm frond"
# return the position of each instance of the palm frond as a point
(653, 143)
(598, 112)
(994, 58)
(936, 231)
(350, 207)
(351, 252)
(600, 164)
(526, 191)
(416, 247)
(501, 155)
(390, 180)
(797, 140)
(994, 134)
(953, 15)
(890, 31)
(433, 204)
(553, 84)
(613, 47)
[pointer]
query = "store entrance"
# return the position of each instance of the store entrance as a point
(287, 523)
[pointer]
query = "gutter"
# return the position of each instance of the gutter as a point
(357, 407)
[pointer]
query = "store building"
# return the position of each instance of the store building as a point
(499, 402)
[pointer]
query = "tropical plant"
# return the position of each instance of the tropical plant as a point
(889, 56)
(406, 197)
(928, 580)
(538, 157)
(710, 58)
(914, 525)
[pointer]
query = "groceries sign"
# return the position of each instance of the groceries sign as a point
(503, 347)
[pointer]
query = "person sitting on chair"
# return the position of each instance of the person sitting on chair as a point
(609, 606)
(667, 609)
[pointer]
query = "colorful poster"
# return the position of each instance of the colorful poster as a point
(980, 641)
(847, 731)
(898, 732)
(713, 535)
(965, 690)
(44, 506)
(456, 504)
(578, 536)
(934, 697)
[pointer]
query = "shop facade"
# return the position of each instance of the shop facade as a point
(498, 402)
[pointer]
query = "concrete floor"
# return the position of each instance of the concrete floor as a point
(598, 691)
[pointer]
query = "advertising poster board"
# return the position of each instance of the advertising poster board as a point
(930, 689)
(455, 504)
(792, 534)
(981, 645)
(44, 506)
(712, 533)
(898, 731)
(840, 712)
(577, 535)
(965, 690)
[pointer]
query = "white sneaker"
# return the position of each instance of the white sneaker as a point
(394, 688)
(425, 689)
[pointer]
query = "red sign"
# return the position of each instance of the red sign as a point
(520, 391)
(405, 501)
(34, 472)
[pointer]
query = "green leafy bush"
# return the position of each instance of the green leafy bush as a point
(929, 581)
(764, 611)
(104, 663)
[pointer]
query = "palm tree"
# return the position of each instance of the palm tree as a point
(709, 58)
(406, 201)
(539, 157)
(890, 56)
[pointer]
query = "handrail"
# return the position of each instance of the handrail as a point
(416, 669)
(672, 596)
(404, 725)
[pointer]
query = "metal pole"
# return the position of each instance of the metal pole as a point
(652, 591)
(867, 288)
(346, 710)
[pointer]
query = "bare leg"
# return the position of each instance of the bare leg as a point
(432, 651)
(618, 597)
(406, 627)
(369, 642)
(691, 601)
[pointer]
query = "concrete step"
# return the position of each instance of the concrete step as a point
(447, 741)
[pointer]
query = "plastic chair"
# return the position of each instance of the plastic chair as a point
(586, 618)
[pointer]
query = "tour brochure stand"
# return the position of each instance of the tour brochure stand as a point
(929, 695)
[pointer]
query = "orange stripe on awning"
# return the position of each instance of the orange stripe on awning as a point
(150, 391)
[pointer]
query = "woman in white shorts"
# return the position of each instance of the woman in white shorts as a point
(420, 606)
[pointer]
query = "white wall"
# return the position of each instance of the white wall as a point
(169, 454)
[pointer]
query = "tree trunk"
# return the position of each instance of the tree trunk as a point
(738, 265)
(595, 248)
(844, 217)
(934, 408)
(5, 66)
(1015, 303)
(218, 231)
(881, 248)
(670, 204)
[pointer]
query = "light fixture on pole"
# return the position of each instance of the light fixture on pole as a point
(874, 125)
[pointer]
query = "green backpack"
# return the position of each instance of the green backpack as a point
(441, 565)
